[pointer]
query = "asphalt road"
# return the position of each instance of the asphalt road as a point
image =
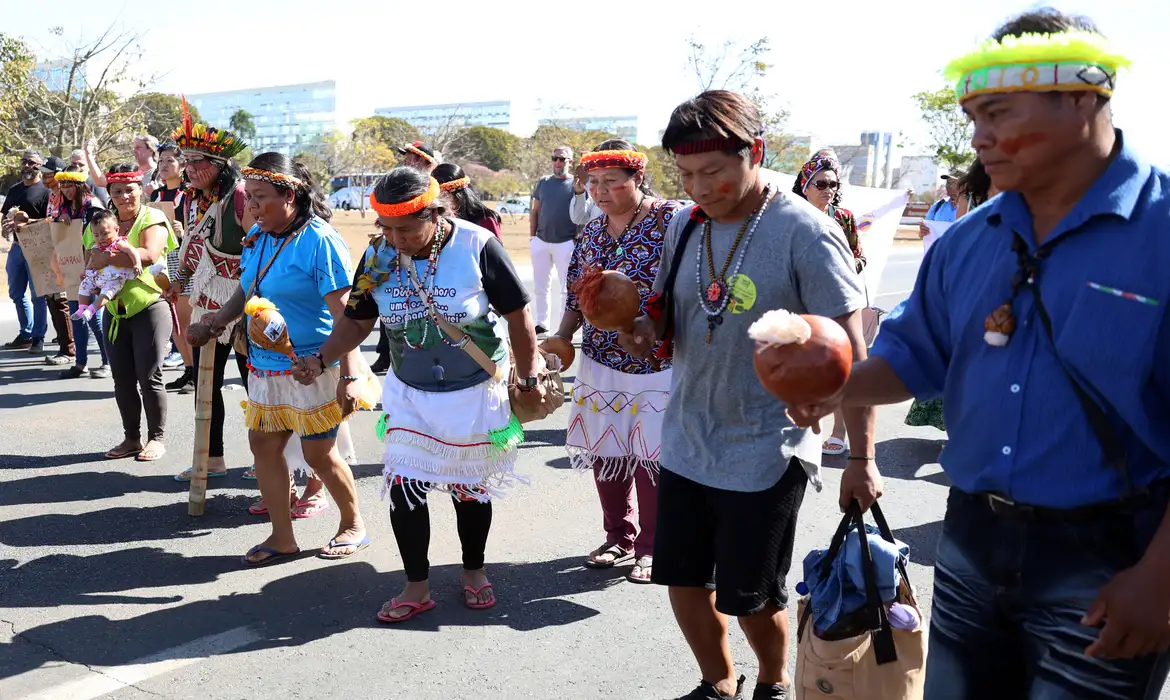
(109, 589)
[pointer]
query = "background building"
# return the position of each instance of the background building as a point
(920, 173)
(431, 118)
(622, 127)
(288, 118)
(881, 168)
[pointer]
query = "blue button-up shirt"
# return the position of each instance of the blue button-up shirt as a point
(1014, 422)
(942, 210)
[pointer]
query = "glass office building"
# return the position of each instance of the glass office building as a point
(288, 118)
(431, 118)
(622, 127)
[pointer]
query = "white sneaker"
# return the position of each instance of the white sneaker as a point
(173, 361)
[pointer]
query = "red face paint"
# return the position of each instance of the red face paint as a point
(1012, 146)
(724, 188)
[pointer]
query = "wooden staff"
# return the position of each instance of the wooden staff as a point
(197, 497)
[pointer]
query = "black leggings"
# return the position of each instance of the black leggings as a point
(136, 356)
(215, 448)
(412, 530)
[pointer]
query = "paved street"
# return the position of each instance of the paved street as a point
(108, 589)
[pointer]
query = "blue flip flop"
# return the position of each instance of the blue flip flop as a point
(334, 544)
(210, 475)
(273, 556)
(245, 474)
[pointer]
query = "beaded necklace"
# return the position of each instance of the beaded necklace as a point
(715, 297)
(427, 283)
(629, 225)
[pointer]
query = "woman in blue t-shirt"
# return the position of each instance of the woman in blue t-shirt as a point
(294, 259)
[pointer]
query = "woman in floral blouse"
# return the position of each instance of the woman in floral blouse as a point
(618, 400)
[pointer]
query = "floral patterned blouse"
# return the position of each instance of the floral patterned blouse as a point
(636, 255)
(848, 224)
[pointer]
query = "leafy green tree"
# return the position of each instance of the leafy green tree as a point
(494, 148)
(161, 113)
(16, 66)
(390, 131)
(242, 123)
(316, 166)
(662, 173)
(950, 129)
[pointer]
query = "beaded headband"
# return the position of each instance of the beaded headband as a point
(71, 177)
(707, 145)
(410, 206)
(124, 178)
(455, 184)
(613, 159)
(1064, 62)
(279, 179)
(412, 148)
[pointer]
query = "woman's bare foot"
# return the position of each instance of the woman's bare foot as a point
(272, 543)
(477, 580)
(414, 592)
(152, 452)
(126, 448)
(348, 540)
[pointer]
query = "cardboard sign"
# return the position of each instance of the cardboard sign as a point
(36, 241)
(70, 257)
(167, 208)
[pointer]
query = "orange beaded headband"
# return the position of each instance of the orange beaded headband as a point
(419, 152)
(455, 184)
(271, 177)
(410, 206)
(613, 159)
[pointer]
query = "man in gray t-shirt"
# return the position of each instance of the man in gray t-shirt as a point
(552, 233)
(734, 467)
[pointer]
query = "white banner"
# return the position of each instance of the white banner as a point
(878, 213)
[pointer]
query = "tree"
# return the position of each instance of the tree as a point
(92, 93)
(242, 124)
(494, 148)
(537, 149)
(950, 129)
(16, 66)
(391, 131)
(162, 113)
(368, 156)
(316, 166)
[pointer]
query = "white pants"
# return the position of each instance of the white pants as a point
(544, 256)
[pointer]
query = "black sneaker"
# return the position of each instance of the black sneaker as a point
(770, 691)
(381, 365)
(37, 347)
(20, 342)
(72, 373)
(185, 379)
(706, 691)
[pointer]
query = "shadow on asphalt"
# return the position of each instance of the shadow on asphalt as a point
(543, 438)
(559, 463)
(127, 525)
(13, 400)
(82, 486)
(289, 612)
(923, 541)
(901, 458)
(45, 462)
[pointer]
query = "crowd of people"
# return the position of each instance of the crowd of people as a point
(1051, 575)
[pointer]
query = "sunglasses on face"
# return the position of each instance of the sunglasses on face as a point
(559, 159)
(29, 162)
(826, 184)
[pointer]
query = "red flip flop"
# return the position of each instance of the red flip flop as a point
(415, 609)
(490, 602)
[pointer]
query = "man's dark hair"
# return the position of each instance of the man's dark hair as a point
(714, 114)
(310, 200)
(100, 216)
(468, 205)
(403, 184)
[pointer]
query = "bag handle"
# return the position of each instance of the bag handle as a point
(458, 337)
(264, 270)
(672, 274)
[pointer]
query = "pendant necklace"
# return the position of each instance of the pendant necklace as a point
(629, 225)
(427, 284)
(715, 297)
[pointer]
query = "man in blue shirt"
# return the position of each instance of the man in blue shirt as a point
(1041, 318)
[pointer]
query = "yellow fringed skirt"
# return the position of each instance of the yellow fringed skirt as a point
(278, 404)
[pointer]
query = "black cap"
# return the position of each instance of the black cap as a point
(53, 165)
(424, 147)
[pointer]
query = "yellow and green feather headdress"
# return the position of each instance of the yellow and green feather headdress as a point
(1067, 61)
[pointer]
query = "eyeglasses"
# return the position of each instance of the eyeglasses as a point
(827, 184)
(559, 159)
(27, 161)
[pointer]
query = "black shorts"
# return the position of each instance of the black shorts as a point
(737, 543)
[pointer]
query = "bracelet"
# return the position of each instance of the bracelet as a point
(855, 458)
(349, 378)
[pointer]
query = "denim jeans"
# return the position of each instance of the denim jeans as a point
(1009, 595)
(81, 331)
(33, 317)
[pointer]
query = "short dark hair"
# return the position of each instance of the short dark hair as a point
(975, 183)
(101, 215)
(310, 200)
(122, 168)
(403, 184)
(714, 114)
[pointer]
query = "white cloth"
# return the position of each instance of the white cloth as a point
(617, 418)
(107, 281)
(582, 210)
(443, 439)
(546, 256)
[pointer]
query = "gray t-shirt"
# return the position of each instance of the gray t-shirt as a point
(555, 224)
(721, 428)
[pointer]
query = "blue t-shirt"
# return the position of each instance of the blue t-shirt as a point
(313, 264)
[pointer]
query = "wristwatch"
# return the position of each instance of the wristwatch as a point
(527, 383)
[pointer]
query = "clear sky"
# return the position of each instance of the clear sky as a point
(841, 67)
